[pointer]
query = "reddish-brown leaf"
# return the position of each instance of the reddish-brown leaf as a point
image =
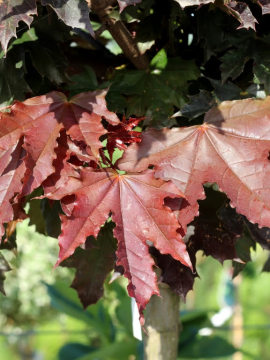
(12, 126)
(211, 235)
(81, 116)
(11, 13)
(136, 202)
(11, 185)
(265, 4)
(41, 119)
(120, 135)
(79, 151)
(74, 13)
(38, 122)
(231, 148)
(93, 264)
(184, 3)
(87, 110)
(63, 169)
(242, 13)
(124, 3)
(39, 143)
(179, 277)
(238, 9)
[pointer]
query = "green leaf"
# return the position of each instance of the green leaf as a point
(206, 347)
(48, 64)
(192, 322)
(160, 60)
(33, 210)
(233, 63)
(218, 32)
(36, 217)
(65, 300)
(227, 91)
(213, 31)
(123, 310)
(84, 81)
(243, 246)
(154, 94)
(262, 75)
(191, 317)
(261, 65)
(50, 211)
(73, 351)
(111, 44)
(115, 351)
(234, 60)
(12, 82)
(198, 105)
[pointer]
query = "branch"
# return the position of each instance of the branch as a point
(162, 325)
(119, 32)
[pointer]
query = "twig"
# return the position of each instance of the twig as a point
(119, 32)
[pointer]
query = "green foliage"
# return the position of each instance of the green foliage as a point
(208, 348)
(105, 323)
(26, 295)
(153, 94)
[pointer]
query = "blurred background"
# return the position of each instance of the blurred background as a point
(42, 319)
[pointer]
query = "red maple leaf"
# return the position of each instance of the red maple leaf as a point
(31, 148)
(11, 13)
(120, 135)
(265, 4)
(136, 202)
(231, 148)
(124, 3)
(55, 139)
(242, 13)
(11, 185)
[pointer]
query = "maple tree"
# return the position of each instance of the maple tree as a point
(60, 148)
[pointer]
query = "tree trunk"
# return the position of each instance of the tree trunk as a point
(162, 326)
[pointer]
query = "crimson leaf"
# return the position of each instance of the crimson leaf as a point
(231, 148)
(124, 3)
(127, 197)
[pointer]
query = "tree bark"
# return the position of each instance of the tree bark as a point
(162, 322)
